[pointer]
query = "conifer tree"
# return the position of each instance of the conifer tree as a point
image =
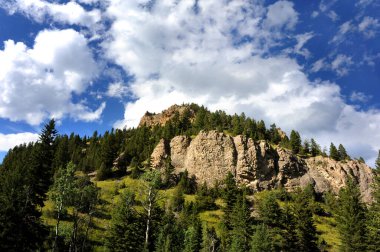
(342, 153)
(351, 218)
(373, 217)
(305, 229)
(210, 241)
(240, 223)
(41, 163)
(270, 211)
(126, 231)
(315, 149)
(295, 142)
(230, 193)
(334, 154)
(261, 239)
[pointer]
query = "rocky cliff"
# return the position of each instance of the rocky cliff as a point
(211, 155)
(151, 119)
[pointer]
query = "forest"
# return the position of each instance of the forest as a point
(67, 193)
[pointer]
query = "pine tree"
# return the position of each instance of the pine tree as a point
(210, 241)
(305, 229)
(126, 231)
(351, 218)
(334, 154)
(240, 223)
(229, 195)
(270, 211)
(315, 149)
(373, 217)
(295, 142)
(20, 226)
(262, 240)
(41, 163)
(342, 153)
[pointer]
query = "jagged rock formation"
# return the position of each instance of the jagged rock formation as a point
(151, 119)
(211, 155)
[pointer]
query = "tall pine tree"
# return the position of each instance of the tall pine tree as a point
(350, 218)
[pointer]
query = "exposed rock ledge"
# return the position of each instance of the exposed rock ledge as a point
(211, 155)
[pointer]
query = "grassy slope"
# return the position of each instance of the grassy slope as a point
(110, 189)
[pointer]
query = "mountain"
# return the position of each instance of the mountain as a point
(259, 164)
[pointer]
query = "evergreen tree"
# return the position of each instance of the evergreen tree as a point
(229, 194)
(305, 150)
(20, 226)
(269, 210)
(192, 240)
(274, 135)
(351, 218)
(261, 240)
(305, 229)
(315, 149)
(373, 217)
(126, 231)
(103, 172)
(210, 241)
(342, 153)
(289, 235)
(41, 163)
(240, 223)
(295, 142)
(334, 154)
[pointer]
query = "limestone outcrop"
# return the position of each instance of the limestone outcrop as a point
(152, 119)
(211, 155)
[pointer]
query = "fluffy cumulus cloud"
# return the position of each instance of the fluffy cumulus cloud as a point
(218, 53)
(8, 141)
(67, 13)
(40, 82)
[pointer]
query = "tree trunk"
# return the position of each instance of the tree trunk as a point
(57, 226)
(149, 212)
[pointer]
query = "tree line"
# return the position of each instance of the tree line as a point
(48, 169)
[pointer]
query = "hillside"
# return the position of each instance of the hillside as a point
(186, 179)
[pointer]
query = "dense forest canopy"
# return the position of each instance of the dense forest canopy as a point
(49, 199)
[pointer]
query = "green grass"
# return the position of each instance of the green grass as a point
(326, 227)
(110, 191)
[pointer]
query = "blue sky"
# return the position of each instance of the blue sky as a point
(313, 66)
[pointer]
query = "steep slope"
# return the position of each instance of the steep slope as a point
(211, 155)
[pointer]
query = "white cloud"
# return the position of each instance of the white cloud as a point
(341, 64)
(359, 97)
(8, 141)
(318, 65)
(39, 82)
(281, 14)
(302, 39)
(344, 29)
(118, 90)
(369, 26)
(67, 13)
(314, 14)
(178, 55)
(333, 16)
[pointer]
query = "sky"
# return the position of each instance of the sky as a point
(313, 66)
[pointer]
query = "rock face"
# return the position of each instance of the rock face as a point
(211, 155)
(151, 119)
